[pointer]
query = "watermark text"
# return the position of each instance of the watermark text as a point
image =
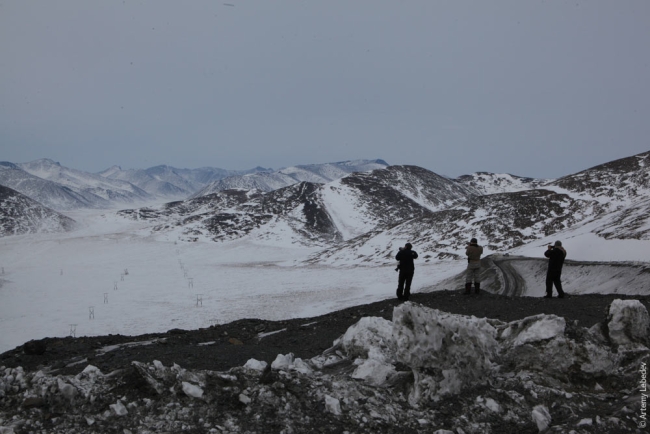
(643, 388)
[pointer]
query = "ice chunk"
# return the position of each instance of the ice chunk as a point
(119, 409)
(192, 390)
(628, 322)
(374, 372)
(533, 329)
(492, 405)
(67, 390)
(282, 361)
(301, 366)
(453, 350)
(256, 365)
(541, 417)
(332, 405)
(369, 334)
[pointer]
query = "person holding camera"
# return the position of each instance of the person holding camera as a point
(406, 267)
(555, 254)
(473, 273)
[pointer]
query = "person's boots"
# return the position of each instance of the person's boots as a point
(468, 288)
(477, 287)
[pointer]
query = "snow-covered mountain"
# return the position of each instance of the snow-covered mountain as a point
(316, 173)
(308, 213)
(173, 183)
(22, 215)
(97, 190)
(157, 184)
(48, 193)
(611, 200)
(616, 184)
(362, 217)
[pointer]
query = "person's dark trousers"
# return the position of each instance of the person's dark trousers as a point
(553, 279)
(404, 284)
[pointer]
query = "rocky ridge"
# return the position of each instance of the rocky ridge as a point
(411, 369)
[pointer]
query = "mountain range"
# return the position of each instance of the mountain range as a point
(505, 361)
(363, 217)
(360, 210)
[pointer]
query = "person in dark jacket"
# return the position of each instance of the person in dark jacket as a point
(555, 255)
(473, 273)
(405, 256)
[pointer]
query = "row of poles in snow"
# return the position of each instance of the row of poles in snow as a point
(91, 309)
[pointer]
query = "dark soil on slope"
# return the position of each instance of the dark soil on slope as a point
(229, 345)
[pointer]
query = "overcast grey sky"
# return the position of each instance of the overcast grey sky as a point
(533, 88)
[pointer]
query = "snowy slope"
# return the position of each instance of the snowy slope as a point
(233, 214)
(501, 222)
(362, 202)
(22, 215)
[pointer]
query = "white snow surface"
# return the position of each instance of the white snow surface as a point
(52, 281)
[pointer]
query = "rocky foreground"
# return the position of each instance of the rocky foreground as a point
(420, 370)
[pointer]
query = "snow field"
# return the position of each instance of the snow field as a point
(51, 281)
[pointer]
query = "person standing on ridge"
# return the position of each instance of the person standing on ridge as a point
(405, 256)
(555, 255)
(473, 273)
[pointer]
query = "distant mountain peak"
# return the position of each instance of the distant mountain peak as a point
(45, 161)
(315, 173)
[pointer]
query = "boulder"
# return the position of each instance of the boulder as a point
(35, 348)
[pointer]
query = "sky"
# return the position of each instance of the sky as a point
(536, 88)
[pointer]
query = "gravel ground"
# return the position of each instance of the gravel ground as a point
(221, 347)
